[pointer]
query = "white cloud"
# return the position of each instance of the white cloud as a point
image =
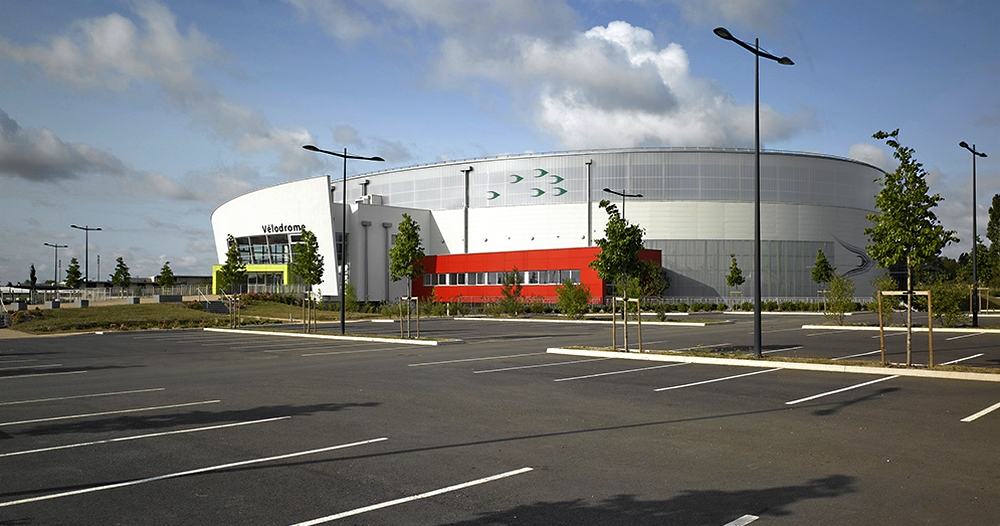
(871, 154)
(114, 52)
(758, 14)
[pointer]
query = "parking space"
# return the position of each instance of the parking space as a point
(196, 427)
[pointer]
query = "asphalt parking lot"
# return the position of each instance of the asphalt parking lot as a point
(205, 428)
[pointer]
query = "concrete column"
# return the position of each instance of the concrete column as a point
(590, 208)
(388, 239)
(365, 225)
(465, 222)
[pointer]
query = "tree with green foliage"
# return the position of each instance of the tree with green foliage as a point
(510, 292)
(166, 277)
(573, 298)
(406, 257)
(233, 273)
(73, 275)
(822, 271)
(839, 298)
(904, 227)
(984, 268)
(950, 301)
(735, 277)
(307, 262)
(620, 246)
(351, 299)
(649, 280)
(121, 278)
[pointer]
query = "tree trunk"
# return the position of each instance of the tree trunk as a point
(909, 312)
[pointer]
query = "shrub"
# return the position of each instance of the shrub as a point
(572, 299)
(949, 301)
(839, 298)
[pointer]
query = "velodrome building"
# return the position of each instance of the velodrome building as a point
(539, 213)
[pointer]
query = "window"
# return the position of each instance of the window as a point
(428, 280)
(533, 277)
(442, 279)
(575, 276)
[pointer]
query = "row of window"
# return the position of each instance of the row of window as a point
(527, 277)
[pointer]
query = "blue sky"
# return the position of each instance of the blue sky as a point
(142, 116)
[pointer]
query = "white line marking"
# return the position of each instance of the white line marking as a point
(891, 334)
(716, 380)
(279, 345)
(102, 413)
(699, 347)
(962, 359)
(18, 361)
(509, 339)
(475, 359)
(779, 330)
(841, 390)
(138, 437)
(984, 412)
(39, 374)
(782, 350)
(617, 372)
(876, 351)
(964, 336)
(30, 367)
(539, 365)
(52, 399)
(184, 473)
(824, 333)
(353, 352)
(373, 507)
(742, 521)
(214, 342)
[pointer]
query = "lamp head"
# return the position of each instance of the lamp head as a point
(311, 148)
(964, 144)
(607, 190)
(723, 33)
(786, 61)
(377, 158)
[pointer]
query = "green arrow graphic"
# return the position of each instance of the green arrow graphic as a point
(537, 192)
(517, 178)
(541, 173)
(557, 179)
(492, 195)
(560, 190)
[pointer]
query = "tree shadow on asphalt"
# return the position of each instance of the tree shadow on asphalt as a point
(62, 369)
(690, 507)
(189, 418)
(837, 407)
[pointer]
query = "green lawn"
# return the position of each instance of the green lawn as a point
(117, 317)
(273, 309)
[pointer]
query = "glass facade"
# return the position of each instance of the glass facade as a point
(527, 277)
(272, 248)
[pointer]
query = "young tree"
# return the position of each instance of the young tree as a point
(406, 257)
(307, 262)
(620, 246)
(735, 277)
(904, 227)
(993, 226)
(121, 278)
(839, 298)
(822, 271)
(33, 281)
(572, 298)
(233, 272)
(73, 275)
(510, 292)
(166, 277)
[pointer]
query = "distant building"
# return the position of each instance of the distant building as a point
(479, 217)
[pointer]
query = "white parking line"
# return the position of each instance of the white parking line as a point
(19, 361)
(962, 359)
(184, 473)
(373, 507)
(710, 346)
(824, 333)
(964, 336)
(782, 350)
(778, 330)
(353, 352)
(139, 437)
(888, 334)
(95, 395)
(30, 367)
(692, 384)
(617, 372)
(281, 344)
(984, 412)
(475, 359)
(102, 413)
(539, 365)
(841, 390)
(876, 351)
(508, 340)
(742, 521)
(39, 374)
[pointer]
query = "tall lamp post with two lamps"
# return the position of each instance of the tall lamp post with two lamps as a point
(87, 229)
(724, 34)
(343, 225)
(975, 241)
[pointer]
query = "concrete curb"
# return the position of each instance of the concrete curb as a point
(829, 368)
(602, 322)
(900, 329)
(374, 339)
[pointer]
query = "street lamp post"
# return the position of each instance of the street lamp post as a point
(724, 34)
(623, 195)
(87, 229)
(343, 225)
(55, 265)
(975, 275)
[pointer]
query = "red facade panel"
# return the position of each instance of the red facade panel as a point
(523, 260)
